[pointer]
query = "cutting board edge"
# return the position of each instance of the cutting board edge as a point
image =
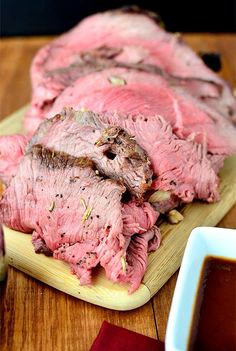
(229, 194)
(54, 273)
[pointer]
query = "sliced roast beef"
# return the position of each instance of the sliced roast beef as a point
(102, 58)
(114, 152)
(74, 213)
(179, 166)
(208, 91)
(147, 44)
(11, 151)
(137, 255)
(143, 93)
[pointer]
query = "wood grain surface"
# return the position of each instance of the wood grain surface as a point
(37, 317)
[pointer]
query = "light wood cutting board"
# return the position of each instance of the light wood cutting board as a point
(161, 264)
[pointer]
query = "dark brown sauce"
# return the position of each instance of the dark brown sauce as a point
(214, 319)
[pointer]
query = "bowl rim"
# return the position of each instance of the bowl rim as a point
(205, 236)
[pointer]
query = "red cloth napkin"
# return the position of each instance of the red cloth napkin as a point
(113, 338)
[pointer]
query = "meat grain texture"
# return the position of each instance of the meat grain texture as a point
(122, 112)
(77, 216)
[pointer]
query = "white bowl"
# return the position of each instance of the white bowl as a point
(203, 241)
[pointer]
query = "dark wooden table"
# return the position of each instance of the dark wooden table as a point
(37, 317)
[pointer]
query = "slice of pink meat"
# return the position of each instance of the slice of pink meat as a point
(140, 39)
(150, 95)
(12, 149)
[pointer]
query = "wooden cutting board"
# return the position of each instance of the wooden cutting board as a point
(161, 264)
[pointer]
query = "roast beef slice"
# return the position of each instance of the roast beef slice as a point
(57, 64)
(12, 148)
(150, 95)
(75, 214)
(114, 152)
(180, 166)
